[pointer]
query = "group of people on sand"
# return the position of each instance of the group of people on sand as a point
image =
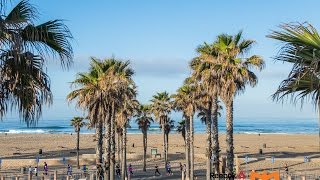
(118, 171)
(156, 173)
(34, 171)
(169, 171)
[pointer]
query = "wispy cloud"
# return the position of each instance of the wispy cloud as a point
(161, 67)
(142, 67)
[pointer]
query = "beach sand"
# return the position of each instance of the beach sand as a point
(287, 149)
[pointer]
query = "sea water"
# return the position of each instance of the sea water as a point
(241, 125)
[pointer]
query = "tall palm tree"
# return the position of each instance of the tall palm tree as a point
(101, 92)
(124, 90)
(161, 107)
(78, 123)
(167, 129)
(186, 100)
(235, 70)
(144, 120)
(91, 97)
(301, 47)
(125, 112)
(116, 80)
(25, 49)
(206, 75)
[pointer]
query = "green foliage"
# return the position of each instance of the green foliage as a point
(25, 48)
(108, 82)
(301, 47)
(181, 128)
(77, 123)
(144, 118)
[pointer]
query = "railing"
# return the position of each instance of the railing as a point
(53, 175)
(93, 175)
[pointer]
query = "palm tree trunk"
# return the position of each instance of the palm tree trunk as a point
(107, 145)
(78, 144)
(167, 145)
(215, 132)
(187, 149)
(319, 123)
(121, 146)
(209, 142)
(229, 139)
(99, 138)
(124, 158)
(118, 147)
(191, 147)
(164, 143)
(144, 150)
(112, 144)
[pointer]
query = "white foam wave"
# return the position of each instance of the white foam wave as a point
(37, 131)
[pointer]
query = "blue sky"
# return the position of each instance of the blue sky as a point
(160, 37)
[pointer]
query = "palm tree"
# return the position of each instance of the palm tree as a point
(207, 77)
(90, 97)
(78, 123)
(181, 128)
(25, 48)
(144, 120)
(235, 71)
(167, 129)
(186, 100)
(125, 112)
(301, 47)
(204, 73)
(123, 89)
(161, 107)
(101, 92)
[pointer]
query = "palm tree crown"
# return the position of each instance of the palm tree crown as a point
(144, 118)
(25, 47)
(77, 123)
(181, 128)
(161, 106)
(301, 47)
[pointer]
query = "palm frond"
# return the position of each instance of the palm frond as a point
(23, 12)
(50, 38)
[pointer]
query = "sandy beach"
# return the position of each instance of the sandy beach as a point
(20, 150)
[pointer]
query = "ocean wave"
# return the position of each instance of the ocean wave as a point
(14, 131)
(49, 127)
(137, 129)
(245, 132)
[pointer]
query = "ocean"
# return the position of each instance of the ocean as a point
(241, 125)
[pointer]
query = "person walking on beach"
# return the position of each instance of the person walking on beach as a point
(130, 169)
(286, 169)
(69, 172)
(156, 170)
(118, 170)
(184, 170)
(84, 168)
(169, 172)
(30, 170)
(35, 171)
(45, 168)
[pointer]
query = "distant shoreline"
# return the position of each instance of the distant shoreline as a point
(156, 133)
